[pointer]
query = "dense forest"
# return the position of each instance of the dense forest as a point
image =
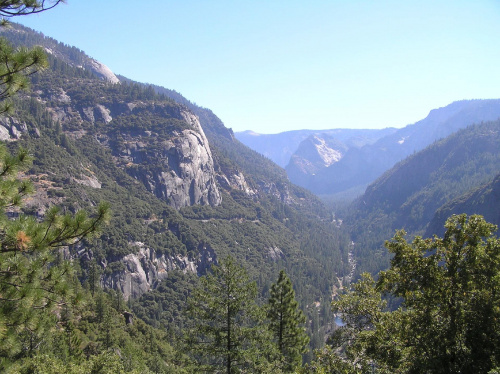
(109, 265)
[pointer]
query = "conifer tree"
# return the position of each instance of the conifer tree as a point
(93, 277)
(15, 8)
(16, 65)
(32, 282)
(225, 333)
(286, 322)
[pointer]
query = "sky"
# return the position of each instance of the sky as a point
(275, 65)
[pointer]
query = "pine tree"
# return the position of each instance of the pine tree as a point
(15, 8)
(32, 282)
(286, 320)
(16, 65)
(93, 277)
(225, 330)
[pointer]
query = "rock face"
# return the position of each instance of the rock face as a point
(315, 153)
(97, 113)
(180, 169)
(176, 165)
(139, 272)
(103, 71)
(11, 129)
(236, 181)
(191, 179)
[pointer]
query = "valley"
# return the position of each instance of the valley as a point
(232, 218)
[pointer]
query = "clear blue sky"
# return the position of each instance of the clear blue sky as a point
(275, 65)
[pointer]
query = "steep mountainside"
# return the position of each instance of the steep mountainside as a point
(408, 195)
(183, 190)
(362, 166)
(484, 200)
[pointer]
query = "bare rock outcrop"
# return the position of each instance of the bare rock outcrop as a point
(97, 113)
(143, 270)
(11, 129)
(184, 174)
(236, 181)
(103, 71)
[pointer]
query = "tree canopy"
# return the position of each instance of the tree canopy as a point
(16, 65)
(33, 279)
(448, 320)
(226, 333)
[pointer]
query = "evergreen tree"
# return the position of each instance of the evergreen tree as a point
(15, 8)
(16, 65)
(93, 277)
(32, 282)
(286, 322)
(225, 332)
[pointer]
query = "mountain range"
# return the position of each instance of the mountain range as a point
(455, 175)
(356, 164)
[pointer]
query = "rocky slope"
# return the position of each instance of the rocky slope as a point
(183, 190)
(314, 154)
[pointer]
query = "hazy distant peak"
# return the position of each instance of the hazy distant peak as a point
(250, 133)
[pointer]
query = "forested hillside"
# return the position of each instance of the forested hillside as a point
(482, 200)
(409, 195)
(138, 235)
(180, 200)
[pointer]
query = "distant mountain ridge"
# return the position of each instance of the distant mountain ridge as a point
(375, 153)
(362, 166)
(280, 147)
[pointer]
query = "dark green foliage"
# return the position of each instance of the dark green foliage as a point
(225, 330)
(93, 337)
(483, 200)
(16, 65)
(448, 320)
(16, 8)
(33, 279)
(286, 322)
(164, 306)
